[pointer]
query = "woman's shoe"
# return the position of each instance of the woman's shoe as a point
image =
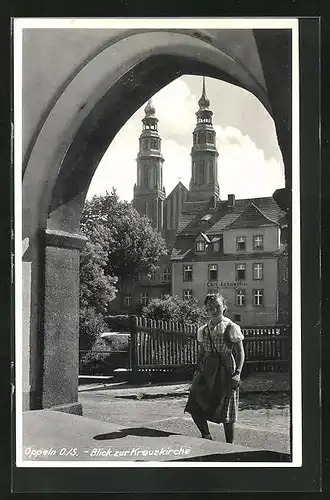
(207, 436)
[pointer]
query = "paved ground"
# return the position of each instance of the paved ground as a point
(264, 418)
(129, 423)
(59, 438)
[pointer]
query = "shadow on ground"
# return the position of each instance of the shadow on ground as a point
(133, 431)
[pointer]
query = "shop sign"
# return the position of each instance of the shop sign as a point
(226, 284)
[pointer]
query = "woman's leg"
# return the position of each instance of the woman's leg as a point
(202, 424)
(229, 432)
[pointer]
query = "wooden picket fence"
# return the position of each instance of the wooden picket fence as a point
(170, 346)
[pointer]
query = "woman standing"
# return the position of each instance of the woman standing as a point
(214, 391)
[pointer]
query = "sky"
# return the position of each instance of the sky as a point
(250, 161)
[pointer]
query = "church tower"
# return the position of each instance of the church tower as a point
(149, 193)
(204, 154)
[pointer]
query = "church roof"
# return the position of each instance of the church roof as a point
(178, 186)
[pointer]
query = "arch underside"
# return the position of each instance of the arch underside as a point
(76, 131)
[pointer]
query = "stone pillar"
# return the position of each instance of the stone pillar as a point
(61, 322)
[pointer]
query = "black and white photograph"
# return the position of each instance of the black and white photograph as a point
(157, 243)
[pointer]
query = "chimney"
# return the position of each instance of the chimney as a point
(231, 200)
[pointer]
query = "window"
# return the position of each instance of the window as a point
(258, 242)
(258, 298)
(201, 172)
(201, 138)
(136, 277)
(154, 143)
(238, 318)
(211, 171)
(216, 246)
(213, 272)
(258, 271)
(240, 298)
(166, 275)
(240, 272)
(152, 277)
(127, 301)
(200, 246)
(144, 299)
(187, 273)
(187, 294)
(145, 175)
(241, 243)
(209, 137)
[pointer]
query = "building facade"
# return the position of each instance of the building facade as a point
(237, 255)
(235, 246)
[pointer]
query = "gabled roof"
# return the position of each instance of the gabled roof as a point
(192, 212)
(266, 207)
(248, 212)
(251, 216)
(178, 186)
(182, 248)
(204, 237)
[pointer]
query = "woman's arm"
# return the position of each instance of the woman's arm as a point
(239, 355)
(239, 358)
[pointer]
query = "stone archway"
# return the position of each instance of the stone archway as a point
(86, 115)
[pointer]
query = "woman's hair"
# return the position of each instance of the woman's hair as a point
(210, 297)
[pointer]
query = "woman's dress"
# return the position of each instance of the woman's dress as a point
(211, 393)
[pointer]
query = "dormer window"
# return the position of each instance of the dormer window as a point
(216, 244)
(200, 246)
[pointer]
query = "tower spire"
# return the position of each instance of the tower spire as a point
(204, 166)
(203, 101)
(149, 192)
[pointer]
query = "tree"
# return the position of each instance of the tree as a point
(120, 243)
(175, 309)
(132, 244)
(96, 292)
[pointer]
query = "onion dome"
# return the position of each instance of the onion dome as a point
(149, 109)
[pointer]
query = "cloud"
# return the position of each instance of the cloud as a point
(176, 107)
(177, 165)
(243, 168)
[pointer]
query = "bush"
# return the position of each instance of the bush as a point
(118, 323)
(102, 359)
(91, 325)
(117, 342)
(175, 309)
